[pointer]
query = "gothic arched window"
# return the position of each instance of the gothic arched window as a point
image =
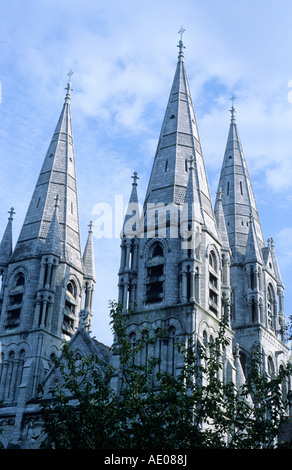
(243, 362)
(253, 310)
(10, 375)
(205, 339)
(19, 280)
(15, 301)
(158, 348)
(155, 273)
(156, 251)
(213, 282)
(70, 308)
(270, 305)
(213, 260)
(132, 339)
(271, 367)
(171, 349)
(252, 278)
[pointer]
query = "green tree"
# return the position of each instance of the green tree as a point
(154, 409)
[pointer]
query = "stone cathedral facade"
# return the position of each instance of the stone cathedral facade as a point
(185, 263)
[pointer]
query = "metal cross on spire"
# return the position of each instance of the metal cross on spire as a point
(135, 177)
(232, 110)
(68, 87)
(11, 212)
(181, 44)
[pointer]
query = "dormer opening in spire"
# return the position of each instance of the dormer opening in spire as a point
(155, 273)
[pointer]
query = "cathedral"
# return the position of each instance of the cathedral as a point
(185, 264)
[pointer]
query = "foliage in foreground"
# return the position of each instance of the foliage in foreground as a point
(157, 410)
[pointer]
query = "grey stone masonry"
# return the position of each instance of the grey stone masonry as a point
(45, 284)
(257, 305)
(176, 267)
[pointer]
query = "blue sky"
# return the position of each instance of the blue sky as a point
(123, 55)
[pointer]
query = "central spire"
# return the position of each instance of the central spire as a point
(179, 138)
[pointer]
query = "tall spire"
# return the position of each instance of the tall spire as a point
(52, 244)
(252, 253)
(6, 242)
(238, 201)
(191, 198)
(88, 256)
(271, 245)
(57, 176)
(220, 220)
(132, 212)
(179, 138)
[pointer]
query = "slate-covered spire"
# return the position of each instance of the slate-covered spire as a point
(253, 253)
(57, 176)
(275, 262)
(239, 201)
(52, 244)
(88, 256)
(132, 216)
(220, 221)
(6, 242)
(179, 138)
(191, 200)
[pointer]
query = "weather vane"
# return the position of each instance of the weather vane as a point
(232, 110)
(70, 75)
(181, 31)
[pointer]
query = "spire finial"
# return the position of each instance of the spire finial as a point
(11, 212)
(70, 73)
(68, 87)
(232, 110)
(90, 226)
(181, 44)
(135, 178)
(181, 31)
